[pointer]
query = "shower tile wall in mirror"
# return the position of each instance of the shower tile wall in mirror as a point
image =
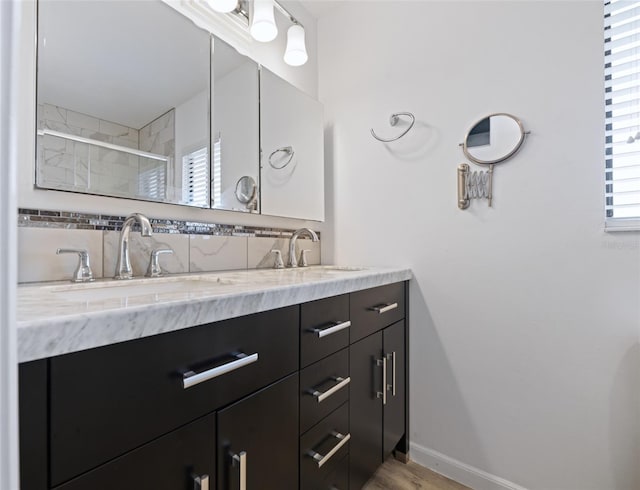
(123, 95)
(135, 101)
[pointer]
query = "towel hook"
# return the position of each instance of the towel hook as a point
(393, 120)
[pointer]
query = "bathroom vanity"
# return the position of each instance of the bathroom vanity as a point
(253, 380)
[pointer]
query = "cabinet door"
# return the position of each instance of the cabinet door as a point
(394, 410)
(172, 462)
(32, 378)
(258, 440)
(365, 409)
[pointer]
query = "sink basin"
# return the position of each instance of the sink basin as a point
(137, 287)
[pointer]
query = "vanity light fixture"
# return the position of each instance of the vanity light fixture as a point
(263, 24)
(259, 17)
(223, 6)
(296, 52)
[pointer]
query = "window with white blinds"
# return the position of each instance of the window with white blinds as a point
(622, 106)
(195, 177)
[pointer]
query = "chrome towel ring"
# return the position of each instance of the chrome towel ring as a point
(393, 120)
(285, 149)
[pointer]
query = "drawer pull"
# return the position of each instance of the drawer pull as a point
(190, 378)
(383, 394)
(201, 482)
(321, 396)
(384, 308)
(335, 327)
(240, 460)
(320, 459)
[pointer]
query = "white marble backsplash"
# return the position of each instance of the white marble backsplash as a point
(38, 262)
(217, 253)
(37, 259)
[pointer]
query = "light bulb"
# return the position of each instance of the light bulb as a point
(263, 23)
(637, 136)
(296, 52)
(630, 139)
(224, 6)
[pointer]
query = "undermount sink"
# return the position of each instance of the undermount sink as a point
(137, 287)
(333, 268)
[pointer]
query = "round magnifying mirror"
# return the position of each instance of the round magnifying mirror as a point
(494, 139)
(246, 190)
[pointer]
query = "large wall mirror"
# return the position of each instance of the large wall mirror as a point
(135, 101)
(123, 101)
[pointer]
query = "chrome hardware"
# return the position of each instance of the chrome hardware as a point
(201, 482)
(383, 394)
(191, 378)
(123, 267)
(303, 258)
(278, 263)
(321, 396)
(292, 243)
(392, 386)
(463, 198)
(335, 327)
(83, 271)
(154, 269)
(384, 308)
(285, 149)
(240, 460)
(320, 459)
(393, 120)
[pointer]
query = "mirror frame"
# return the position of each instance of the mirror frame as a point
(523, 133)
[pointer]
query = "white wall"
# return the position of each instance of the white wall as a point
(525, 321)
(29, 197)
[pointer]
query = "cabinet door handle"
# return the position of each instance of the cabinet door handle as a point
(392, 386)
(383, 394)
(240, 460)
(201, 482)
(190, 378)
(384, 308)
(321, 396)
(320, 459)
(335, 327)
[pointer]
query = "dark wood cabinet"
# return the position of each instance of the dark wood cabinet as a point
(377, 400)
(171, 462)
(258, 439)
(316, 399)
(109, 400)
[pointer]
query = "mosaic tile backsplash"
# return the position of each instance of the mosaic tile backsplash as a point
(197, 246)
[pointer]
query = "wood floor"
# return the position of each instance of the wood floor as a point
(394, 475)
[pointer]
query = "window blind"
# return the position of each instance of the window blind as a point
(195, 177)
(622, 113)
(152, 183)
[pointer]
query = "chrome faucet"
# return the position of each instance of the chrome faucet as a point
(123, 267)
(293, 261)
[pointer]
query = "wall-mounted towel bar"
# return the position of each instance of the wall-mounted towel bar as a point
(393, 120)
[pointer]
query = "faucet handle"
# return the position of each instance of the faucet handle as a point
(278, 263)
(83, 272)
(154, 269)
(303, 258)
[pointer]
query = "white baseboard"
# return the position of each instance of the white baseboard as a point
(458, 471)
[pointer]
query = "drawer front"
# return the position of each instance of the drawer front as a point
(339, 478)
(107, 401)
(324, 386)
(171, 462)
(323, 447)
(324, 328)
(376, 308)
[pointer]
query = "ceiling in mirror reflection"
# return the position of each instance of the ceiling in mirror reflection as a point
(80, 43)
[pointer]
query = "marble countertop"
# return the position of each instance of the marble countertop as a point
(59, 318)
